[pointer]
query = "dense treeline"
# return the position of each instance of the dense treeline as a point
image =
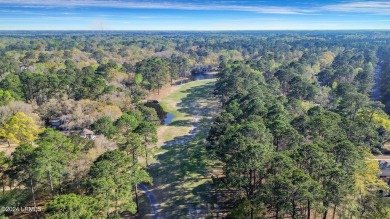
(36, 67)
(292, 145)
(294, 137)
(281, 159)
(384, 78)
(81, 177)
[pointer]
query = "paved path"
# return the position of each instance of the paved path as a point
(155, 206)
(152, 200)
(193, 212)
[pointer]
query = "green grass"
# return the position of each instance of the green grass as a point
(182, 180)
(169, 102)
(179, 104)
(144, 208)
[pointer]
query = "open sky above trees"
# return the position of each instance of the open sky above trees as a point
(193, 15)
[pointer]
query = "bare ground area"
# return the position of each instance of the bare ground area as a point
(8, 150)
(382, 157)
(166, 90)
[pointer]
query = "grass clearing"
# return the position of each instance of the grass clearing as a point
(180, 103)
(182, 178)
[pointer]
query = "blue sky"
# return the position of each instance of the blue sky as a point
(193, 15)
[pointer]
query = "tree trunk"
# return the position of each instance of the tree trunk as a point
(325, 214)
(133, 152)
(250, 183)
(9, 144)
(33, 196)
(354, 113)
(308, 209)
(254, 181)
(251, 211)
(371, 116)
(293, 208)
(60, 184)
(146, 155)
(116, 202)
(158, 83)
(51, 186)
(334, 211)
(2, 182)
(146, 160)
(108, 205)
(136, 198)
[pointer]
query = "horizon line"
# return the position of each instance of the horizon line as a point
(173, 30)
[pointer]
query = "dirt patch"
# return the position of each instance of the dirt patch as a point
(8, 150)
(160, 131)
(382, 157)
(166, 90)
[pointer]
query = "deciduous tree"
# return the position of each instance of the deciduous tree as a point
(20, 129)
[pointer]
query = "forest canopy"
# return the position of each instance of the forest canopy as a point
(302, 115)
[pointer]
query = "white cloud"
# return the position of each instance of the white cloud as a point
(156, 5)
(370, 7)
(374, 7)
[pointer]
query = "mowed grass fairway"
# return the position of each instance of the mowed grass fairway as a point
(183, 103)
(182, 182)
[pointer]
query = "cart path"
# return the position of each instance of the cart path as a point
(197, 113)
(155, 206)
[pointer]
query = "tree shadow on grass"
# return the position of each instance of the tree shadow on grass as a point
(181, 123)
(183, 176)
(192, 103)
(182, 167)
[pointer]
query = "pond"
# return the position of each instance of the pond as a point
(165, 117)
(197, 77)
(168, 119)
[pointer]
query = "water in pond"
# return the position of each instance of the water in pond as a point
(168, 119)
(197, 77)
(165, 118)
